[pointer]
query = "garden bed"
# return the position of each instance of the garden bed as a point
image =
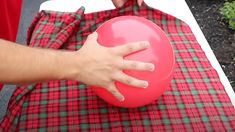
(217, 33)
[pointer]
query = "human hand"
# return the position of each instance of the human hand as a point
(102, 66)
(119, 3)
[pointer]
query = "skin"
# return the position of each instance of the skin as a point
(119, 3)
(93, 64)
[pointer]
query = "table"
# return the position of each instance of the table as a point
(178, 9)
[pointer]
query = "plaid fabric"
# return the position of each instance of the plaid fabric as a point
(1, 85)
(196, 99)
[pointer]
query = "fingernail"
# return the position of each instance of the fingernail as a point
(146, 44)
(121, 99)
(152, 67)
(146, 84)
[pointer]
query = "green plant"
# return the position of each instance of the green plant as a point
(228, 12)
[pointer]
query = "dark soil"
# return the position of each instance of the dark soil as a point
(217, 33)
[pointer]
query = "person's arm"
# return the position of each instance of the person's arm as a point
(21, 64)
(93, 64)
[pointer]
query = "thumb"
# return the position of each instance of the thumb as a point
(93, 37)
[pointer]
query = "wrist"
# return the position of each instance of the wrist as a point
(68, 66)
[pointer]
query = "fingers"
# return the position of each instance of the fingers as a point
(140, 2)
(128, 80)
(131, 47)
(113, 90)
(136, 65)
(119, 3)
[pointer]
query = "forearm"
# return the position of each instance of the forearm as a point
(21, 64)
(93, 64)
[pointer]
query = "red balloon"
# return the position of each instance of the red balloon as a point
(124, 29)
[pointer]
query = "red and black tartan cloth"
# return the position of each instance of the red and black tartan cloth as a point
(196, 99)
